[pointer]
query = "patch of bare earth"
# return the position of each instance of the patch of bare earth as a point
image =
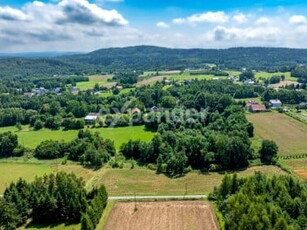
(150, 80)
(283, 84)
(170, 215)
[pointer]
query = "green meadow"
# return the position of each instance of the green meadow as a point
(30, 138)
(265, 75)
(95, 79)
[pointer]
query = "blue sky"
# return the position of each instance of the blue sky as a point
(85, 25)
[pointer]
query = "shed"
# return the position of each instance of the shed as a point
(91, 118)
(255, 108)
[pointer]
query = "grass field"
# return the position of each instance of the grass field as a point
(289, 134)
(177, 215)
(31, 138)
(126, 181)
(13, 171)
(297, 166)
(101, 80)
(146, 182)
(265, 75)
(187, 76)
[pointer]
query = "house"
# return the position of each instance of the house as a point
(56, 90)
(154, 109)
(28, 94)
(40, 91)
(275, 104)
(119, 87)
(256, 108)
(135, 110)
(74, 90)
(249, 82)
(91, 118)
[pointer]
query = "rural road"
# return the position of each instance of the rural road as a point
(153, 197)
(156, 197)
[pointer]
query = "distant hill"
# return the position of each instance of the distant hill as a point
(38, 54)
(152, 58)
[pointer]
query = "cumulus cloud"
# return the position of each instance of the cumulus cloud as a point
(211, 17)
(57, 21)
(179, 21)
(83, 12)
(240, 18)
(163, 25)
(208, 17)
(298, 19)
(8, 13)
(262, 21)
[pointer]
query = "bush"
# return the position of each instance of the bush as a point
(48, 149)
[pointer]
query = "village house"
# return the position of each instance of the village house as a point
(91, 118)
(256, 108)
(135, 110)
(154, 109)
(275, 104)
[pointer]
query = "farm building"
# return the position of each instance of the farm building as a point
(275, 104)
(91, 118)
(135, 110)
(255, 108)
(154, 109)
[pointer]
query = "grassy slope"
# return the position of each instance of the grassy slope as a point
(120, 135)
(101, 80)
(289, 134)
(265, 75)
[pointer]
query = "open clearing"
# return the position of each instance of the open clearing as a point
(100, 79)
(126, 181)
(283, 84)
(289, 134)
(177, 215)
(150, 80)
(298, 166)
(265, 75)
(30, 138)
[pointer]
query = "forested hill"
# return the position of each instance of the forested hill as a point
(152, 58)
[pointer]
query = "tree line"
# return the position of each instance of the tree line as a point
(51, 199)
(260, 202)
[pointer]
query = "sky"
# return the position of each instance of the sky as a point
(87, 25)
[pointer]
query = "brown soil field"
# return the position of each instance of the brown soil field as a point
(302, 173)
(150, 80)
(289, 134)
(284, 83)
(170, 215)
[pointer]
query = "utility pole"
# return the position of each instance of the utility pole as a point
(135, 207)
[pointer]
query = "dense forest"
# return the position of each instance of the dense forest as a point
(154, 58)
(259, 202)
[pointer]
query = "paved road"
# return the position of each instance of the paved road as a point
(156, 197)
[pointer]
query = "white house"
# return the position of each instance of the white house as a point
(91, 118)
(275, 104)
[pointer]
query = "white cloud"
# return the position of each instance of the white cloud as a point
(263, 21)
(297, 19)
(179, 21)
(163, 25)
(211, 17)
(240, 18)
(37, 24)
(10, 14)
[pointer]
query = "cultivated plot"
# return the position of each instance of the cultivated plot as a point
(177, 215)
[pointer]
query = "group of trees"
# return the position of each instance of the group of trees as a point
(9, 145)
(201, 140)
(90, 218)
(49, 200)
(259, 202)
(88, 148)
